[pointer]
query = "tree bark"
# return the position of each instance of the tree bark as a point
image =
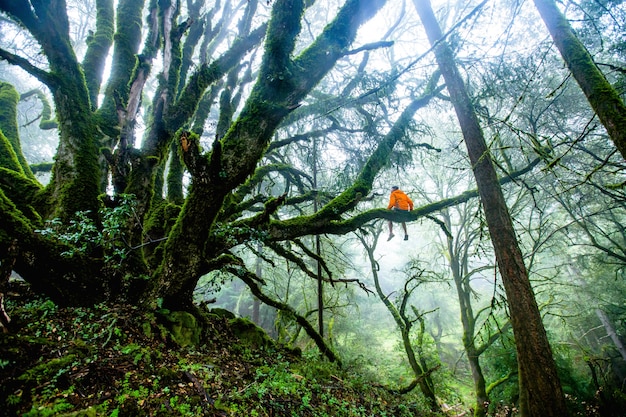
(602, 97)
(75, 179)
(283, 82)
(610, 331)
(540, 390)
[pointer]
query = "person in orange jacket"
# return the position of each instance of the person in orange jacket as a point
(398, 200)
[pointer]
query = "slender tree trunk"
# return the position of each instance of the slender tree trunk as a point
(256, 304)
(603, 98)
(318, 250)
(419, 368)
(610, 331)
(469, 326)
(540, 390)
(480, 386)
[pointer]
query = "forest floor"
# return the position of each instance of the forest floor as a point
(119, 361)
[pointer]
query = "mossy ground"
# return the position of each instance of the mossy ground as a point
(120, 361)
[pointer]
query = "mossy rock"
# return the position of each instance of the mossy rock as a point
(183, 327)
(250, 334)
(221, 313)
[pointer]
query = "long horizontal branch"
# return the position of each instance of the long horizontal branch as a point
(316, 224)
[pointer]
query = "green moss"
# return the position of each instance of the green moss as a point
(42, 167)
(46, 122)
(22, 191)
(46, 370)
(250, 334)
(157, 225)
(98, 45)
(282, 33)
(183, 327)
(221, 313)
(124, 63)
(175, 175)
(9, 97)
(76, 173)
(8, 157)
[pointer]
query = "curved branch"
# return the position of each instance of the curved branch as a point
(250, 279)
(500, 381)
(47, 122)
(23, 63)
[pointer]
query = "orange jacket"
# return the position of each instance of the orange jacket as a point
(400, 201)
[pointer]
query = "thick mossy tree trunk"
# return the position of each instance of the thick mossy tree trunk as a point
(603, 98)
(74, 184)
(540, 389)
(282, 83)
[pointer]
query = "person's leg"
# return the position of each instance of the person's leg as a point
(390, 230)
(406, 235)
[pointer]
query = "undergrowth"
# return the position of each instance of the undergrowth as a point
(120, 361)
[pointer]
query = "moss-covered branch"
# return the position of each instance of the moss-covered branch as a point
(124, 62)
(98, 45)
(500, 381)
(8, 158)
(208, 74)
(23, 63)
(23, 191)
(603, 98)
(46, 121)
(9, 97)
(315, 224)
(288, 171)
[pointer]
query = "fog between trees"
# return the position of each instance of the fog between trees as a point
(240, 151)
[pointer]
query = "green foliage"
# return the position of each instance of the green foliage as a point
(310, 388)
(103, 361)
(83, 235)
(58, 406)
